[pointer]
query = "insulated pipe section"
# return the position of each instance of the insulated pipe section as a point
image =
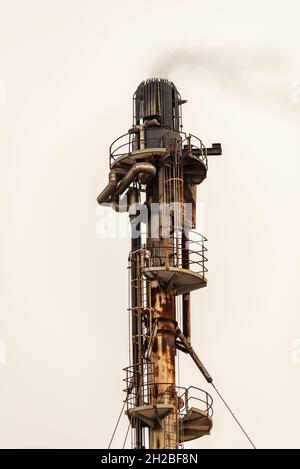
(133, 199)
(145, 171)
(128, 202)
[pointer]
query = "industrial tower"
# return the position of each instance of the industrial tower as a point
(155, 169)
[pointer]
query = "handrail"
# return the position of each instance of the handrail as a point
(185, 253)
(194, 142)
(113, 152)
(146, 390)
(197, 145)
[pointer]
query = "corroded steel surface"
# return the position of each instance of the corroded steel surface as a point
(155, 168)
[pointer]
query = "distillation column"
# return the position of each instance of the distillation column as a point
(158, 168)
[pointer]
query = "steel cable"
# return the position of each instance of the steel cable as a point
(235, 418)
(116, 426)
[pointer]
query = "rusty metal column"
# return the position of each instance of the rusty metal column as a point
(163, 359)
(164, 436)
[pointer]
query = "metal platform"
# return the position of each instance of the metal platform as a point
(130, 158)
(194, 169)
(194, 424)
(151, 415)
(181, 280)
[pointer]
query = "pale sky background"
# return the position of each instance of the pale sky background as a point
(68, 70)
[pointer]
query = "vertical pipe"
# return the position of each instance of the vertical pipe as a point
(142, 135)
(136, 311)
(190, 197)
(186, 297)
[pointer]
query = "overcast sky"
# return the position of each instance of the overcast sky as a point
(68, 70)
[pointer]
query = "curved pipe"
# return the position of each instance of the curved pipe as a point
(128, 202)
(109, 189)
(144, 171)
(145, 178)
(111, 186)
(135, 170)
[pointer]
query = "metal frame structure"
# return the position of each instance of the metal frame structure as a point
(154, 172)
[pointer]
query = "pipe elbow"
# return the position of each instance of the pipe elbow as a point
(137, 169)
(109, 189)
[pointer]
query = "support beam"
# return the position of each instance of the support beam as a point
(194, 356)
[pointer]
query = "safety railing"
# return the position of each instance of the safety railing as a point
(181, 251)
(196, 397)
(134, 140)
(193, 145)
(141, 390)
